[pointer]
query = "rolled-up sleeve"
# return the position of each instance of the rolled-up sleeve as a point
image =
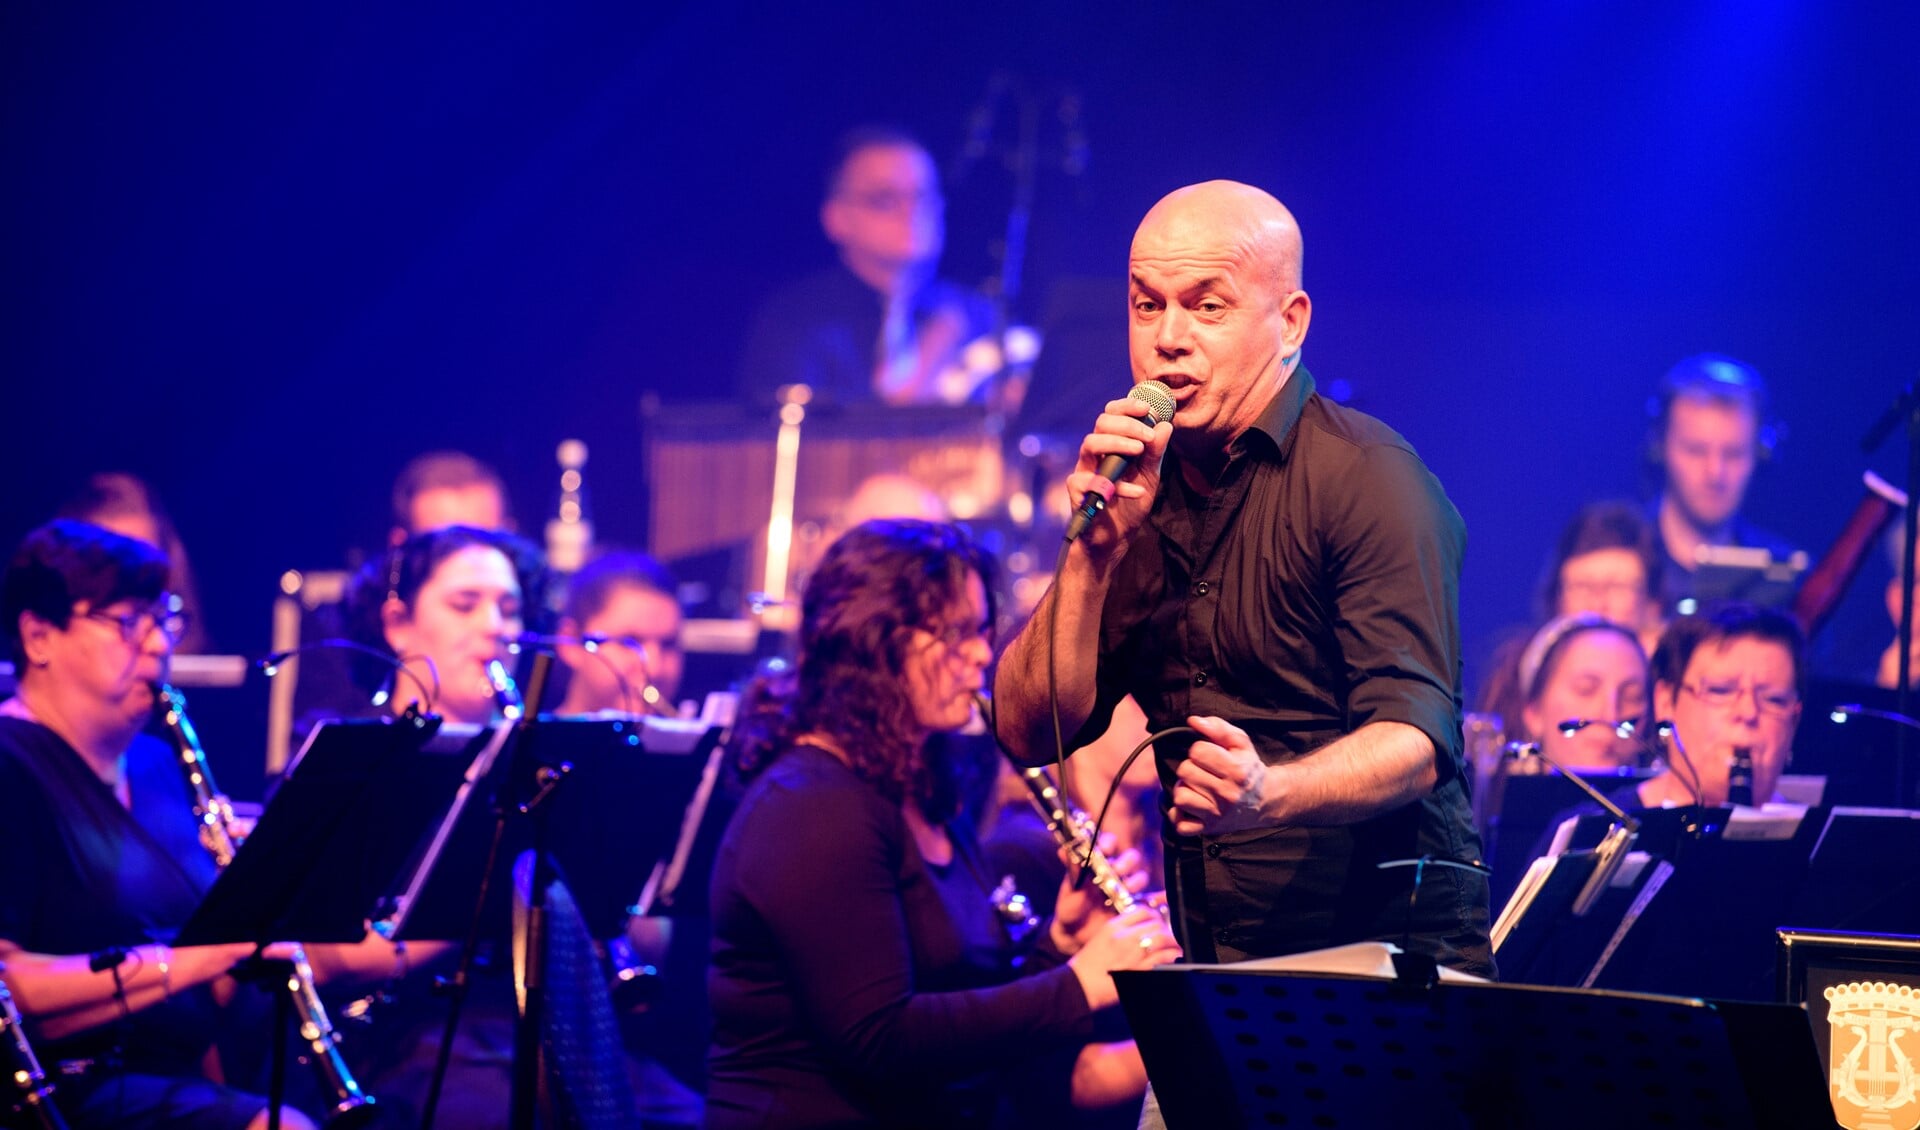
(1396, 593)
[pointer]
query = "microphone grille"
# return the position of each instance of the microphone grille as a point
(1157, 397)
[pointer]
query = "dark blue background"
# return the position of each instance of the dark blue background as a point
(262, 257)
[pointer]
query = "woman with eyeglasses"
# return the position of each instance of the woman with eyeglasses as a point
(863, 960)
(1730, 679)
(101, 849)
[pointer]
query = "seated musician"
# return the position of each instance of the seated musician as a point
(1708, 434)
(1730, 679)
(1607, 563)
(448, 488)
(626, 602)
(863, 967)
(443, 604)
(434, 491)
(1588, 669)
(103, 857)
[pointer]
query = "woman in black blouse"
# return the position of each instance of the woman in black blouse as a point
(102, 858)
(862, 972)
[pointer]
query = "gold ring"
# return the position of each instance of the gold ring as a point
(1146, 943)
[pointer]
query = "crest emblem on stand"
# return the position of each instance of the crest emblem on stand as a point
(1874, 1081)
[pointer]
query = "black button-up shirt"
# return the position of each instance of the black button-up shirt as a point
(1315, 589)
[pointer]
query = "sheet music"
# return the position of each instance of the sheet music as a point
(1773, 821)
(1355, 959)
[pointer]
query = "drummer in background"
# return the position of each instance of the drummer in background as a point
(878, 325)
(625, 601)
(1708, 436)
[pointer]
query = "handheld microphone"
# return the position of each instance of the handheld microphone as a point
(1159, 401)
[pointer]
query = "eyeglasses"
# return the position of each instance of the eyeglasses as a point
(1721, 696)
(165, 614)
(1585, 588)
(893, 199)
(637, 644)
(959, 635)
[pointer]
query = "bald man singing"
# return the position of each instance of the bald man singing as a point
(1282, 574)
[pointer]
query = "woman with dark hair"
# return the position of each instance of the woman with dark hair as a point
(1732, 679)
(1606, 564)
(863, 962)
(103, 858)
(625, 601)
(443, 604)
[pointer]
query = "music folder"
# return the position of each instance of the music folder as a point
(352, 806)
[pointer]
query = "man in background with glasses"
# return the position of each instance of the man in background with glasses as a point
(878, 325)
(1730, 680)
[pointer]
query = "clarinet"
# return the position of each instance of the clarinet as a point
(221, 835)
(1072, 828)
(32, 1101)
(1740, 778)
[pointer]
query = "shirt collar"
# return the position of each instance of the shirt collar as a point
(1277, 422)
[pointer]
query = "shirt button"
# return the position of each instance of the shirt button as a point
(1201, 589)
(1214, 851)
(1200, 680)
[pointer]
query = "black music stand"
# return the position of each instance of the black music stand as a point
(618, 813)
(1227, 1046)
(329, 843)
(1708, 928)
(335, 834)
(1522, 808)
(1528, 927)
(1861, 876)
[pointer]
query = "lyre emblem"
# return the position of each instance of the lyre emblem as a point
(1874, 1082)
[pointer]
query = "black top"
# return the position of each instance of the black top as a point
(1315, 590)
(824, 331)
(853, 983)
(84, 875)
